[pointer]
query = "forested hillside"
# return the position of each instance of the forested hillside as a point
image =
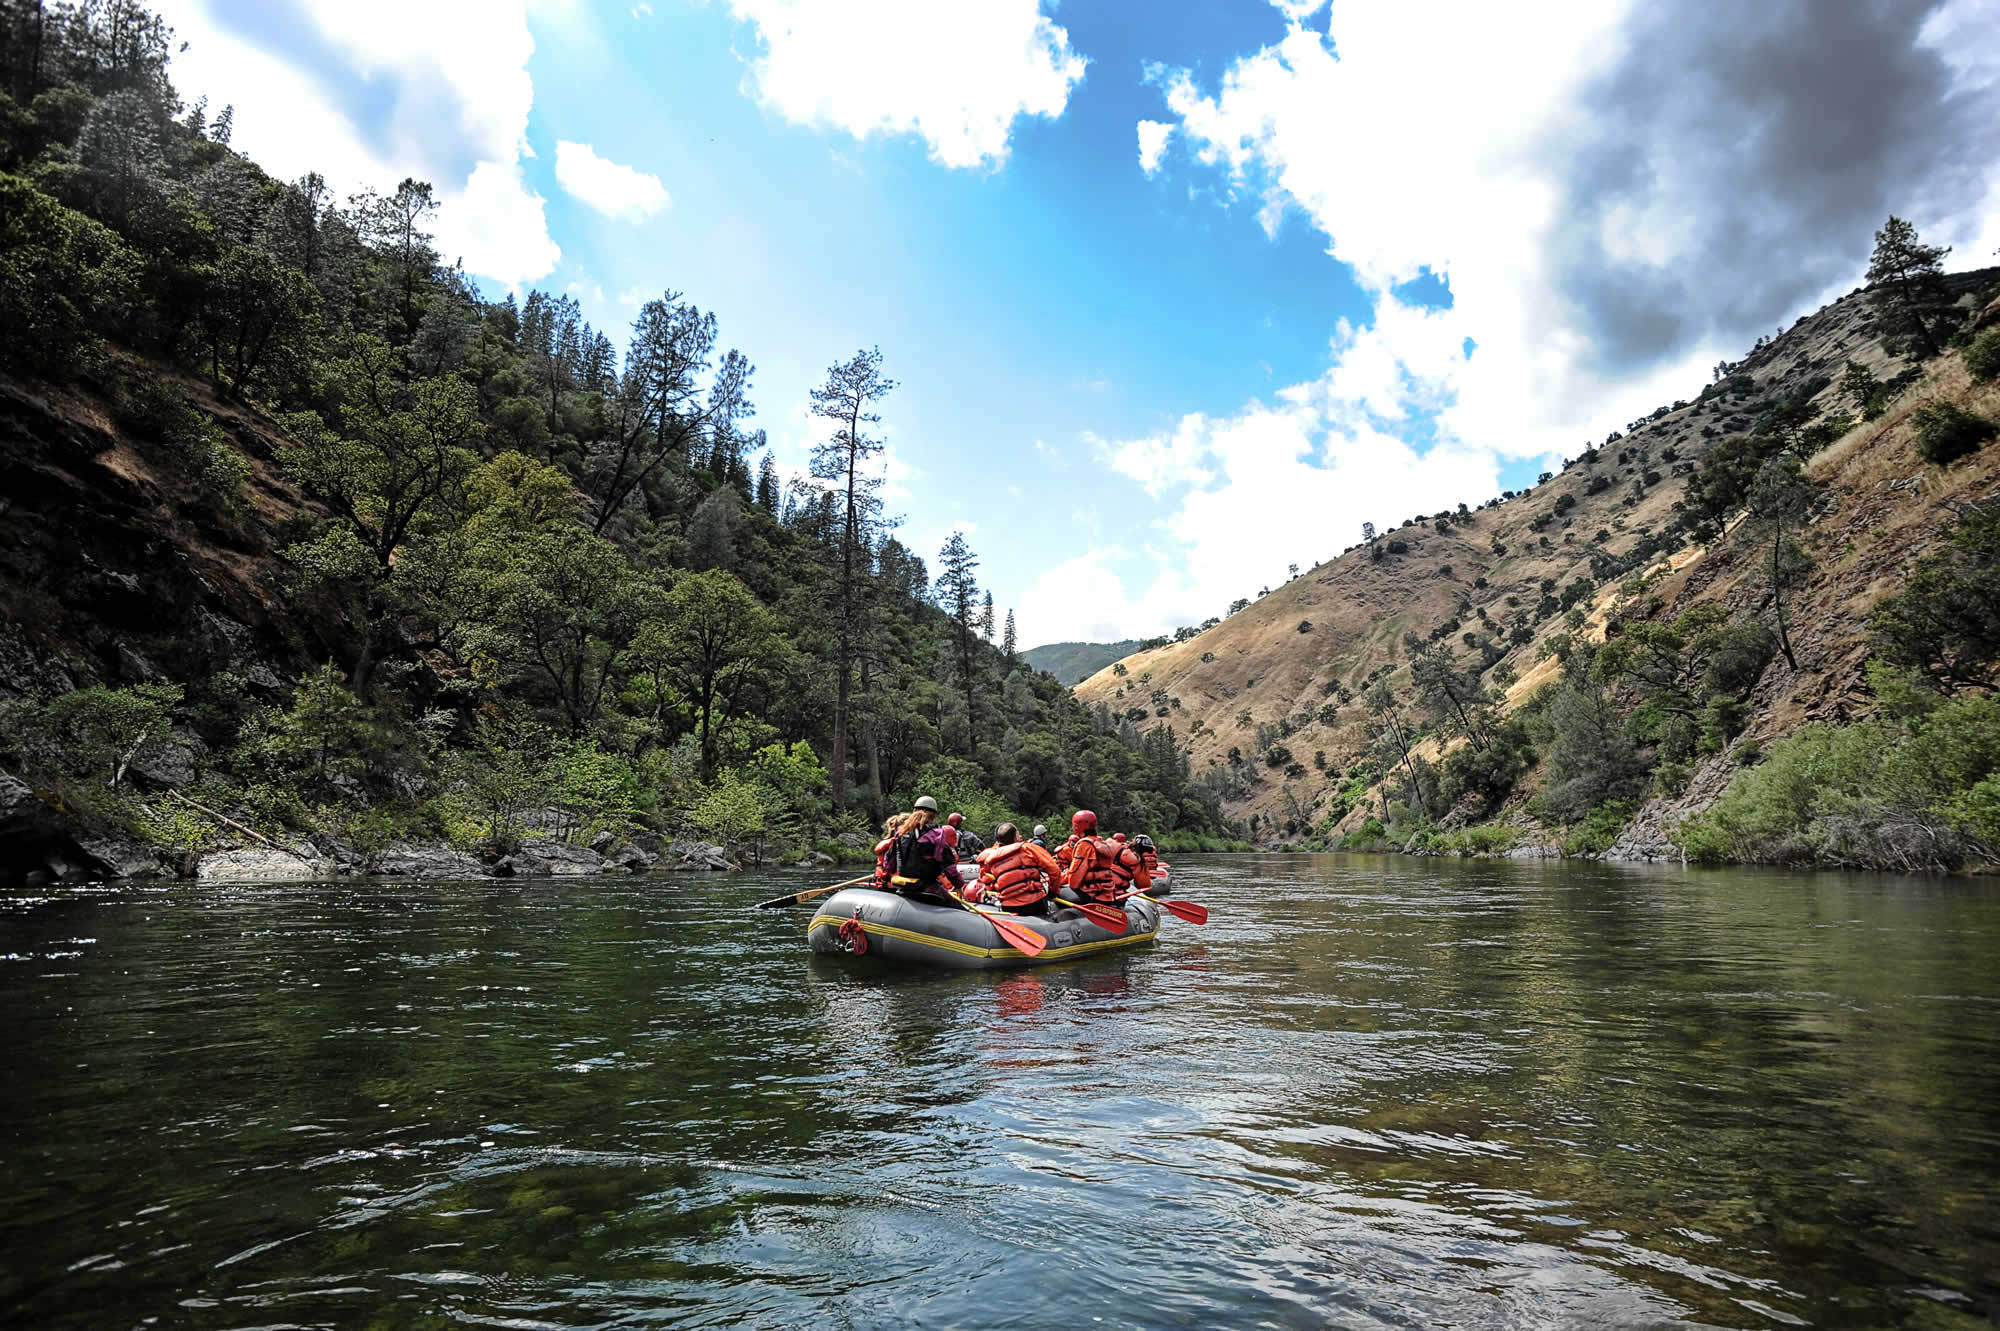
(1073, 662)
(307, 539)
(1589, 664)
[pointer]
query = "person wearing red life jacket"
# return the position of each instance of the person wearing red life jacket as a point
(1149, 854)
(1020, 874)
(1103, 870)
(1082, 825)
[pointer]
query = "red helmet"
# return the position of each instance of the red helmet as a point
(1084, 821)
(956, 820)
(1118, 837)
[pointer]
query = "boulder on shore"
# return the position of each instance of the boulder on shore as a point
(561, 859)
(259, 864)
(629, 858)
(424, 862)
(703, 855)
(103, 857)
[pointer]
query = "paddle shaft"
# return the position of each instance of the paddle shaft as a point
(796, 897)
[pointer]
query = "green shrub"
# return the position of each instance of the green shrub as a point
(1747, 753)
(1947, 432)
(1918, 794)
(1599, 831)
(64, 279)
(1982, 355)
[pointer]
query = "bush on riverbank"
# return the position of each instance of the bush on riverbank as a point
(1911, 794)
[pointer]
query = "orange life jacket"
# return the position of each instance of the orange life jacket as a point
(1109, 873)
(1012, 871)
(1150, 859)
(1066, 852)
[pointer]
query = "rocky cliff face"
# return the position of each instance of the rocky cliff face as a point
(1292, 651)
(115, 570)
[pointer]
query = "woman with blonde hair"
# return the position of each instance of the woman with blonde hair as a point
(916, 858)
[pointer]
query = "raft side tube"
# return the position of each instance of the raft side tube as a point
(900, 929)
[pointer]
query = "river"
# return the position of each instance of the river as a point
(1373, 1092)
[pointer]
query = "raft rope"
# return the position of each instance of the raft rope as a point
(853, 936)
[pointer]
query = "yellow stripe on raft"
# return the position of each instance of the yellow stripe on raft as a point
(1126, 939)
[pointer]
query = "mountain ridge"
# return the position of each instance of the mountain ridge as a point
(1249, 698)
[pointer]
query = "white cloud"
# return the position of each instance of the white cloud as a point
(379, 90)
(1604, 241)
(957, 74)
(1453, 190)
(610, 187)
(1153, 136)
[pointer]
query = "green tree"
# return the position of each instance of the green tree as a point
(253, 310)
(1908, 280)
(64, 279)
(1780, 503)
(735, 809)
(1859, 383)
(844, 461)
(106, 729)
(323, 732)
(958, 594)
(714, 636)
(1008, 637)
(385, 456)
(1945, 623)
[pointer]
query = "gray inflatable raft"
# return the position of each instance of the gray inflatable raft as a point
(916, 932)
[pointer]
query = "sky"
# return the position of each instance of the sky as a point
(1176, 295)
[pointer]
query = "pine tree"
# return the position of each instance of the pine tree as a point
(1007, 638)
(986, 618)
(851, 388)
(958, 596)
(767, 484)
(1908, 277)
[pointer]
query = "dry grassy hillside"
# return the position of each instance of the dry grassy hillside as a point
(1597, 521)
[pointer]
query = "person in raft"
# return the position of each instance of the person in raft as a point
(1041, 836)
(1149, 854)
(967, 842)
(1101, 870)
(919, 855)
(1019, 874)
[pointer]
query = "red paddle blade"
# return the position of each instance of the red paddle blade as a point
(1187, 910)
(1104, 917)
(1024, 940)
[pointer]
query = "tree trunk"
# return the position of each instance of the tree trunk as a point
(1778, 595)
(839, 763)
(878, 802)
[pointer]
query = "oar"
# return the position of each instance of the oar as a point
(1104, 917)
(1187, 910)
(796, 897)
(1025, 940)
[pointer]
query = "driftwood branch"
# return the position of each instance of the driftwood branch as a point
(231, 822)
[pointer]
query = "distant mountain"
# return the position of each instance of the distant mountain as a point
(1072, 662)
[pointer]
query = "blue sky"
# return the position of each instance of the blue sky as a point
(1378, 264)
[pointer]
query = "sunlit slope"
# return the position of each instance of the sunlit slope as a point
(1573, 537)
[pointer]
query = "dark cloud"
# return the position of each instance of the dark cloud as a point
(1779, 134)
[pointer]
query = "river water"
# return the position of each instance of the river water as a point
(1371, 1093)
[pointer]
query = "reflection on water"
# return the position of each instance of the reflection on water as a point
(1371, 1093)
